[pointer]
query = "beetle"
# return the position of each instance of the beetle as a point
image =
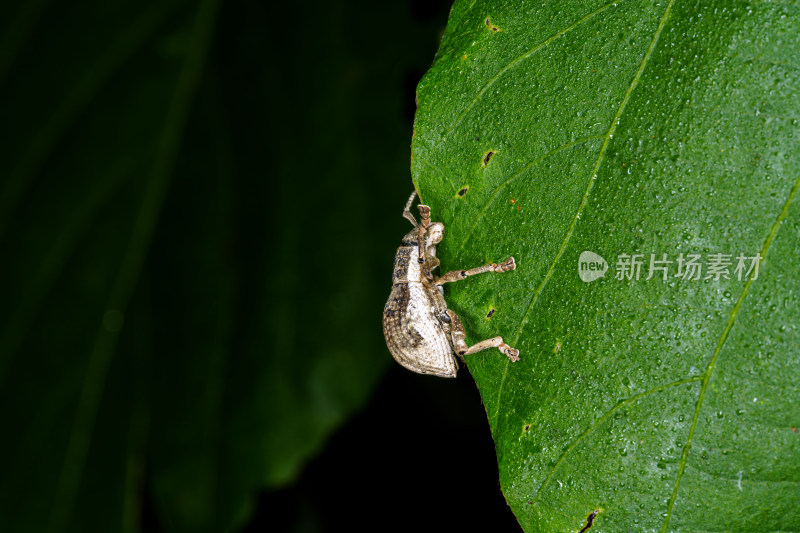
(422, 334)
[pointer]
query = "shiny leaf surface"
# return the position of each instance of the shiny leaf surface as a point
(644, 132)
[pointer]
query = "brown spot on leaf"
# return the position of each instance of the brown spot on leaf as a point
(491, 26)
(488, 157)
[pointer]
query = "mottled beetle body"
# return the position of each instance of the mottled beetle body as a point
(415, 320)
(422, 334)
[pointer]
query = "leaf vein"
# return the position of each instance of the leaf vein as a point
(605, 417)
(515, 62)
(713, 362)
(517, 174)
(76, 100)
(102, 353)
(609, 135)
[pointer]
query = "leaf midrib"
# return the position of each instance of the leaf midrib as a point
(609, 135)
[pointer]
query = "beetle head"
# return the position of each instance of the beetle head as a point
(434, 234)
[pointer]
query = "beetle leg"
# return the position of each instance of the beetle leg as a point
(431, 263)
(460, 345)
(407, 211)
(425, 215)
(457, 275)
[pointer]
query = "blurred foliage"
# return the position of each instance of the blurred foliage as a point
(194, 204)
(549, 128)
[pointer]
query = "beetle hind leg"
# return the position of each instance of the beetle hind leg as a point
(494, 342)
(460, 346)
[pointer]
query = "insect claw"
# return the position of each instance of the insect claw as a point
(425, 214)
(509, 264)
(512, 353)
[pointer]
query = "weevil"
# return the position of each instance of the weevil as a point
(422, 334)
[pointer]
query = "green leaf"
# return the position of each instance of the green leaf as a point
(548, 129)
(193, 230)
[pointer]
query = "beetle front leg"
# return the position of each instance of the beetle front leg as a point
(457, 275)
(407, 211)
(460, 346)
(425, 215)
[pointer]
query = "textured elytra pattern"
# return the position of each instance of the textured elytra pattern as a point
(415, 333)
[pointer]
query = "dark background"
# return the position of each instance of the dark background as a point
(199, 207)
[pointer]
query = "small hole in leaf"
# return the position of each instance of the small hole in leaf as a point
(589, 521)
(526, 427)
(463, 191)
(491, 26)
(488, 157)
(490, 313)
